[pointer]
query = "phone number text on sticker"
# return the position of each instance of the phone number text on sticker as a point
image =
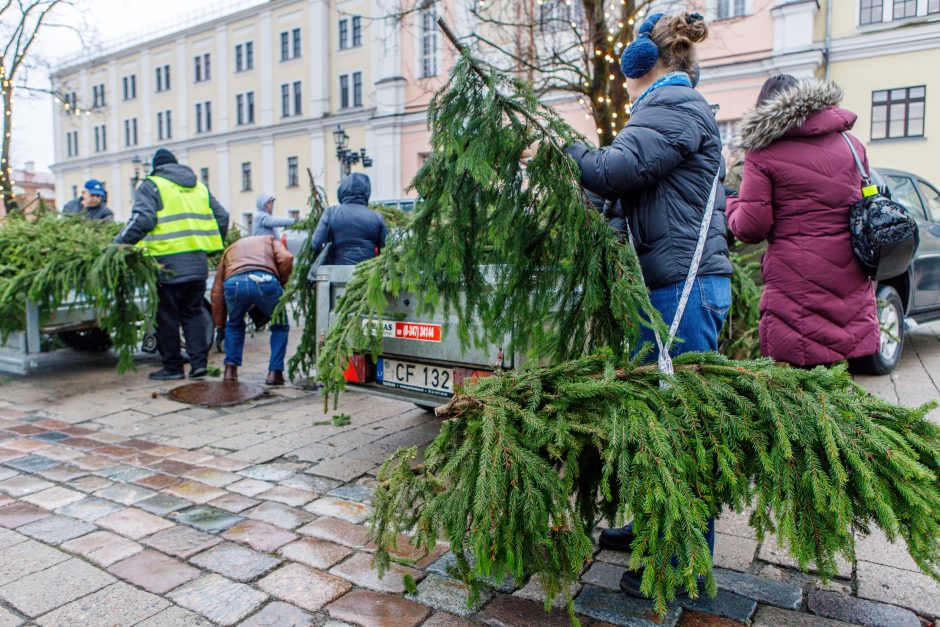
(418, 331)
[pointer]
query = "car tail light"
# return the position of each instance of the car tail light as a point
(468, 375)
(359, 370)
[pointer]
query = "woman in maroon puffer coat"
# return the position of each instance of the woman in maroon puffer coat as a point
(798, 184)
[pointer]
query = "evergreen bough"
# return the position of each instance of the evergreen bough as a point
(527, 461)
(56, 260)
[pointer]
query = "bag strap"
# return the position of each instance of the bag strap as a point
(665, 360)
(868, 189)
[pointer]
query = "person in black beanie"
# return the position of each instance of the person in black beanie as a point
(178, 221)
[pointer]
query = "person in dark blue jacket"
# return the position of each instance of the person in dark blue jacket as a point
(356, 232)
(658, 175)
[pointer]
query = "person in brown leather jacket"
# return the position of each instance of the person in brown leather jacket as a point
(252, 273)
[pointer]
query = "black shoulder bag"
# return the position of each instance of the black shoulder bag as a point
(884, 235)
(323, 259)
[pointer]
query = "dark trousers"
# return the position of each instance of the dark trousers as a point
(181, 304)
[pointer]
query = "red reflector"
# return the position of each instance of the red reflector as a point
(466, 375)
(358, 369)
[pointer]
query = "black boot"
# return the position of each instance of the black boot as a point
(617, 538)
(198, 373)
(630, 585)
(164, 374)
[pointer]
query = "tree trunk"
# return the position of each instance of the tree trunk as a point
(6, 163)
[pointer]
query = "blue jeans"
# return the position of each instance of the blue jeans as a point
(701, 323)
(702, 320)
(261, 290)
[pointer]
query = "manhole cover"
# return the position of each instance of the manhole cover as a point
(216, 393)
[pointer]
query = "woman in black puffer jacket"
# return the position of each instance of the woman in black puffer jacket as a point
(661, 168)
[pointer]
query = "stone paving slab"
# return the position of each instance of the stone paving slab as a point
(9, 619)
(777, 593)
(615, 607)
(218, 599)
(133, 523)
(371, 609)
(154, 572)
(859, 611)
(448, 595)
(519, 612)
(899, 587)
(209, 519)
(118, 604)
(54, 498)
(103, 547)
(280, 614)
(89, 509)
(338, 531)
(19, 513)
(259, 536)
(56, 529)
(235, 562)
(25, 558)
(769, 616)
(175, 616)
(314, 553)
(57, 585)
(304, 587)
(358, 569)
(180, 541)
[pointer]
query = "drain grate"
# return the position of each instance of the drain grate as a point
(216, 393)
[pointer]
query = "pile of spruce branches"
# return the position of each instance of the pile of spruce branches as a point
(527, 461)
(54, 261)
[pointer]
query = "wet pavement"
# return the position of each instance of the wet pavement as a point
(121, 506)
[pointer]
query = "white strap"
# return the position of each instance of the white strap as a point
(665, 360)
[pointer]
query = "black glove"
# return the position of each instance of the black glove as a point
(219, 339)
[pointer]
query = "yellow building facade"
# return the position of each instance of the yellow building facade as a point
(885, 54)
(249, 100)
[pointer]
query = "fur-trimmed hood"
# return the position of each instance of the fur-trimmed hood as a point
(809, 108)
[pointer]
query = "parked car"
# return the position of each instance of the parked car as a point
(913, 297)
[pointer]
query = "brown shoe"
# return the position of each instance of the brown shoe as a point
(231, 373)
(275, 377)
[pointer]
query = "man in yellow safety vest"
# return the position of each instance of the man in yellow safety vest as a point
(177, 220)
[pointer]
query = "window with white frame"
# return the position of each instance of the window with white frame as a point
(130, 132)
(244, 56)
(246, 177)
(344, 91)
(357, 89)
(292, 178)
(350, 90)
(898, 113)
(97, 96)
(904, 8)
(71, 142)
(344, 34)
(129, 83)
(202, 68)
(290, 44)
(204, 176)
(298, 97)
(728, 9)
(428, 44)
(204, 117)
(163, 78)
(933, 6)
(871, 11)
(164, 125)
(356, 22)
(247, 220)
(245, 108)
(101, 138)
(294, 214)
(291, 99)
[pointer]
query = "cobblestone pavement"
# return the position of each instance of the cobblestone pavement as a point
(119, 506)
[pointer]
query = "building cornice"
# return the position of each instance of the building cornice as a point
(789, 63)
(905, 38)
(97, 60)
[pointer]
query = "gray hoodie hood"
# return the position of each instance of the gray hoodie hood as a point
(355, 189)
(179, 174)
(263, 199)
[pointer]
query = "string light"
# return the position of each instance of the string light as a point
(600, 132)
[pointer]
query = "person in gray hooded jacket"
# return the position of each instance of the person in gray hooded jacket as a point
(182, 280)
(263, 224)
(356, 232)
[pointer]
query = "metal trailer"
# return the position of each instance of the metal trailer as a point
(420, 362)
(22, 352)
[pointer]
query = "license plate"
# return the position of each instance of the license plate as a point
(413, 376)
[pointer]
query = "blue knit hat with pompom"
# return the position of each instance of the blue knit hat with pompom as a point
(641, 55)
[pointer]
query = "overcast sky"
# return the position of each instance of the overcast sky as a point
(108, 20)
